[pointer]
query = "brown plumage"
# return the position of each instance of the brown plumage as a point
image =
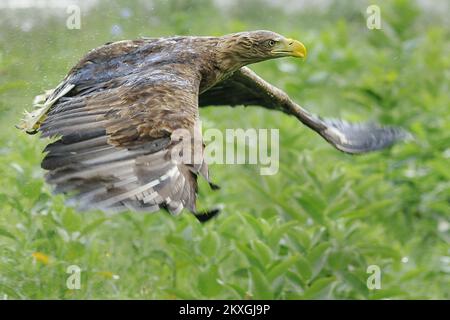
(117, 109)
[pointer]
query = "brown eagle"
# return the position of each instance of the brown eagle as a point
(116, 111)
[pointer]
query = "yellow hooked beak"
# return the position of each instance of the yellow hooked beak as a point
(291, 47)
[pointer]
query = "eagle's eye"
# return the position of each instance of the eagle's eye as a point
(270, 43)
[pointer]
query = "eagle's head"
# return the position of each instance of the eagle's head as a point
(255, 46)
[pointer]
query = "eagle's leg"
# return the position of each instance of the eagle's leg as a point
(206, 215)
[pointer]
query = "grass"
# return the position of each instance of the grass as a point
(309, 232)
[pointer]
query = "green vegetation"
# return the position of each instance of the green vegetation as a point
(309, 231)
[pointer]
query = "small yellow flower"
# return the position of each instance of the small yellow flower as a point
(106, 274)
(41, 257)
(109, 275)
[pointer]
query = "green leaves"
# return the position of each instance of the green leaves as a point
(8, 234)
(314, 206)
(261, 286)
(208, 284)
(320, 289)
(263, 253)
(304, 269)
(92, 226)
(72, 221)
(280, 268)
(210, 244)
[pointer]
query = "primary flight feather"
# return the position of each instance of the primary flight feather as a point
(116, 112)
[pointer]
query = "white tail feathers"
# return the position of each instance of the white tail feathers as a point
(42, 104)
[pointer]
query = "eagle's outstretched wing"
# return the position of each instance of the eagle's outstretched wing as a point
(245, 87)
(116, 138)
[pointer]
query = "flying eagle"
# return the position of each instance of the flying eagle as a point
(117, 109)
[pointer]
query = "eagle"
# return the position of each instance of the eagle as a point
(115, 114)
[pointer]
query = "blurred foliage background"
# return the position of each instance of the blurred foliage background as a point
(308, 232)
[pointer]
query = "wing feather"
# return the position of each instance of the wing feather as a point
(115, 136)
(245, 87)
